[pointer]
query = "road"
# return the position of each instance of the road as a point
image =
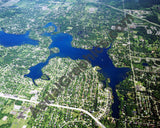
(8, 96)
(132, 15)
(122, 10)
(10, 3)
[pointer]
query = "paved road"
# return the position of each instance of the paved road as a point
(10, 3)
(133, 15)
(8, 96)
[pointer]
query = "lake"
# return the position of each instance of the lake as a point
(62, 41)
(10, 40)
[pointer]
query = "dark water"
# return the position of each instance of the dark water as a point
(145, 64)
(10, 40)
(63, 42)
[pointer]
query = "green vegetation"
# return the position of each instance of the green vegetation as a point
(17, 102)
(90, 24)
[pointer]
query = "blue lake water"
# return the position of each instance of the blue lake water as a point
(63, 42)
(10, 40)
(145, 64)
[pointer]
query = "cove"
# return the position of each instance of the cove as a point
(62, 41)
(51, 24)
(10, 40)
